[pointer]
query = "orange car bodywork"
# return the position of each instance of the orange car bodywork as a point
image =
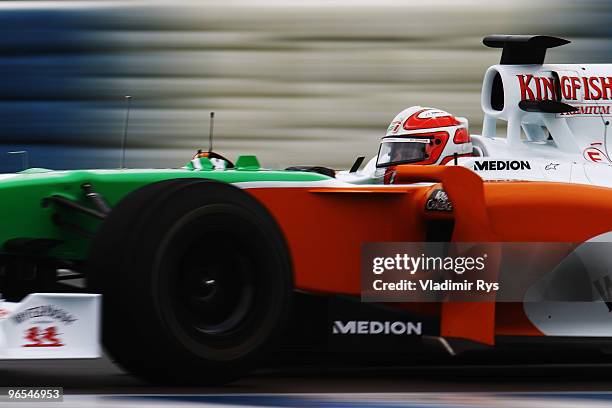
(326, 226)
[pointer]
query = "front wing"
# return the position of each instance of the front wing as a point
(51, 325)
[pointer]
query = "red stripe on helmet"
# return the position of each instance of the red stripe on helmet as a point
(415, 122)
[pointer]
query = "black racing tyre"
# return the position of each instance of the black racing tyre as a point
(196, 282)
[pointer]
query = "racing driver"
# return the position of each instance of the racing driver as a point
(417, 135)
(420, 135)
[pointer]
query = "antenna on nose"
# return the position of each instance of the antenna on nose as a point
(128, 98)
(210, 131)
(24, 158)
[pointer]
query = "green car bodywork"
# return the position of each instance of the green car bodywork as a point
(25, 212)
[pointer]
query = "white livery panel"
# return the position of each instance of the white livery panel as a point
(51, 325)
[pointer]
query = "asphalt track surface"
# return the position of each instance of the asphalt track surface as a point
(442, 383)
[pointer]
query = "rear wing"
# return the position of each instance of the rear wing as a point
(523, 49)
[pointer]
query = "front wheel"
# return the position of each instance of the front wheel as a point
(196, 281)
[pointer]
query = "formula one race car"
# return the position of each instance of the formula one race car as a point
(207, 270)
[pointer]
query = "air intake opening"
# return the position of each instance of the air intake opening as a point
(497, 93)
(439, 230)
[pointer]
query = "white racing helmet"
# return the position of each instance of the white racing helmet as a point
(421, 135)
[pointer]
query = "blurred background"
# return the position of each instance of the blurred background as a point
(294, 82)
